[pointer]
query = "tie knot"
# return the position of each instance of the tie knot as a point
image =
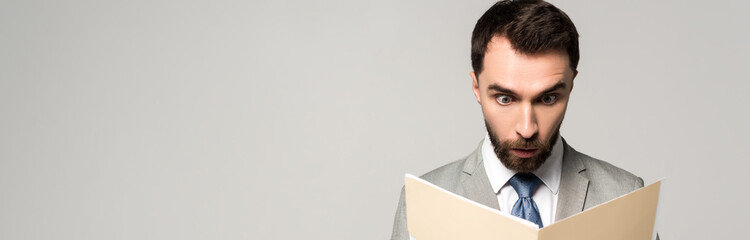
(524, 184)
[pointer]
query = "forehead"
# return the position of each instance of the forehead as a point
(506, 67)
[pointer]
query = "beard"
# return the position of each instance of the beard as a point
(518, 164)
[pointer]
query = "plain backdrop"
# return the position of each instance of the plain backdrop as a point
(167, 119)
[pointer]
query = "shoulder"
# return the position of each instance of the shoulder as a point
(450, 175)
(601, 171)
(447, 176)
(606, 181)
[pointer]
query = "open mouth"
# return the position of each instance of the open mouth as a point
(524, 153)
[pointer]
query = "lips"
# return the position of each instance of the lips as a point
(524, 153)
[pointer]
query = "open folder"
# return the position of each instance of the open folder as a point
(434, 213)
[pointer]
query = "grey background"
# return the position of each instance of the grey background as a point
(297, 120)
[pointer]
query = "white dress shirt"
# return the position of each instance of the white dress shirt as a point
(545, 195)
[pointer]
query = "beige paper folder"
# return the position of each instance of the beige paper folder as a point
(434, 213)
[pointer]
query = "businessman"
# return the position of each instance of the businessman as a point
(524, 56)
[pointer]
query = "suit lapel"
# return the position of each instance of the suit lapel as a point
(573, 185)
(474, 182)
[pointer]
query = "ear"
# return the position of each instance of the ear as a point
(572, 81)
(475, 87)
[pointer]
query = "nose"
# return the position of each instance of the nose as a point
(527, 127)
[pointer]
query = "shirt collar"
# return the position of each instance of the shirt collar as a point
(499, 175)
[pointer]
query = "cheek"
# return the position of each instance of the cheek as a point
(550, 119)
(501, 121)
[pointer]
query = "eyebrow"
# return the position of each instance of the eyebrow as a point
(498, 88)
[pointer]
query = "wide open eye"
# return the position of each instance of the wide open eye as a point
(549, 99)
(504, 99)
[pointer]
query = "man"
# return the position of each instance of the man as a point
(524, 55)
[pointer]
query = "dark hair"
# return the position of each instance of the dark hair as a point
(531, 26)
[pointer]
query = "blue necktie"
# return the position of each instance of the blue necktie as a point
(525, 207)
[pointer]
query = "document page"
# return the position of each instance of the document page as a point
(434, 213)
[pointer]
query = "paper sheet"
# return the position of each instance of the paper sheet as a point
(434, 213)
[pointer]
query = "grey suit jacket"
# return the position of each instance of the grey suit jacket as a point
(585, 182)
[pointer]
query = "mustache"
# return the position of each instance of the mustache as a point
(525, 143)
